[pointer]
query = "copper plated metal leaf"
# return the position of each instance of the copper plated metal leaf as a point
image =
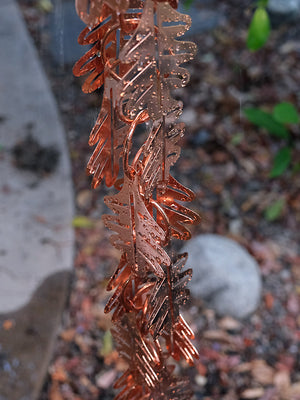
(179, 343)
(156, 55)
(160, 152)
(170, 386)
(123, 282)
(177, 214)
(107, 36)
(138, 351)
(91, 11)
(168, 294)
(137, 233)
(108, 135)
(93, 62)
(136, 57)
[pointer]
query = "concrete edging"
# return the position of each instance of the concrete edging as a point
(36, 235)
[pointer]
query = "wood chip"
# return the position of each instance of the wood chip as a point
(295, 391)
(254, 393)
(262, 372)
(218, 336)
(68, 335)
(106, 379)
(230, 324)
(8, 324)
(282, 381)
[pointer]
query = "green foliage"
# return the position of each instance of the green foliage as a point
(107, 345)
(187, 4)
(80, 221)
(45, 5)
(267, 121)
(286, 113)
(259, 29)
(262, 3)
(274, 211)
(296, 168)
(237, 138)
(281, 161)
(276, 124)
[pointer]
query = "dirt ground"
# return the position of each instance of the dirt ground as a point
(226, 160)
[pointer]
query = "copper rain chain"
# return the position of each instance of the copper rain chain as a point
(135, 56)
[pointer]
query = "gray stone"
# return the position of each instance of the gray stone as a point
(65, 26)
(36, 211)
(201, 137)
(283, 12)
(189, 116)
(284, 6)
(203, 19)
(225, 276)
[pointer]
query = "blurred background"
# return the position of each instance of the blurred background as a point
(241, 157)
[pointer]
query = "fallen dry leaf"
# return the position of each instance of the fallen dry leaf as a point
(84, 198)
(68, 335)
(230, 324)
(254, 393)
(282, 381)
(294, 391)
(83, 342)
(244, 367)
(54, 392)
(8, 324)
(262, 372)
(296, 271)
(269, 300)
(201, 368)
(293, 305)
(105, 380)
(253, 200)
(219, 336)
(59, 374)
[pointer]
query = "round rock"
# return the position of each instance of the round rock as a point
(284, 6)
(225, 275)
(283, 12)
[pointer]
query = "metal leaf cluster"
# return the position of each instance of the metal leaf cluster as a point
(135, 55)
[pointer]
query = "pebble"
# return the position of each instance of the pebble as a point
(189, 116)
(225, 275)
(235, 226)
(200, 380)
(284, 6)
(201, 137)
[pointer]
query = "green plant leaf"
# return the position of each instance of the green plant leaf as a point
(237, 138)
(187, 4)
(286, 113)
(45, 5)
(273, 211)
(259, 29)
(296, 168)
(80, 221)
(262, 3)
(281, 162)
(266, 120)
(107, 345)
